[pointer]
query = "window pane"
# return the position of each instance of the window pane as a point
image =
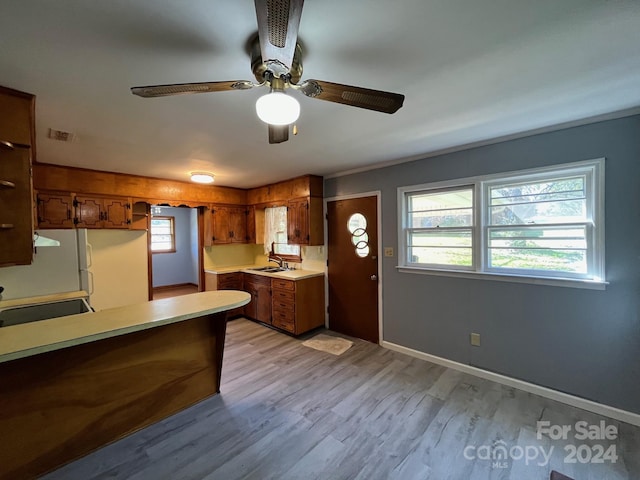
(161, 238)
(453, 208)
(161, 246)
(550, 249)
(551, 201)
(441, 248)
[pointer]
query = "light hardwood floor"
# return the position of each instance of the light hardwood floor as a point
(289, 412)
(168, 292)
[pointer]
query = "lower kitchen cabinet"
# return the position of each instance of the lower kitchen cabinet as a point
(297, 306)
(259, 287)
(226, 281)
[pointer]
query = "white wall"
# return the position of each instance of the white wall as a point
(119, 266)
(54, 269)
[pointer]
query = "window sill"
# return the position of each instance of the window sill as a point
(556, 282)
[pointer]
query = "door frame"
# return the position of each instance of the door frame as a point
(378, 195)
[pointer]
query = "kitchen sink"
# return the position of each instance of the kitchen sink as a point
(269, 269)
(42, 311)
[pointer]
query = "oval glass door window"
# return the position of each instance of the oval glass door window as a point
(357, 226)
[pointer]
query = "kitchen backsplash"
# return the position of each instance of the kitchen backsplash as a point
(313, 258)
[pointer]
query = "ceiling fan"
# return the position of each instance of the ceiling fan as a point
(276, 62)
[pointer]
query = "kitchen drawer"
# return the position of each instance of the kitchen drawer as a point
(284, 295)
(230, 285)
(284, 320)
(283, 284)
(257, 279)
(283, 305)
(230, 277)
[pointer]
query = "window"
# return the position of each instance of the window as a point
(163, 238)
(544, 223)
(275, 235)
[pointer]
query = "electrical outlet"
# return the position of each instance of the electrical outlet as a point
(388, 251)
(475, 339)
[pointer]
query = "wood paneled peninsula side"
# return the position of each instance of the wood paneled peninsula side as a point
(73, 384)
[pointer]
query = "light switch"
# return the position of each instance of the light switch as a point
(475, 339)
(388, 251)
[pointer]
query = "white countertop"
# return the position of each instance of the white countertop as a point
(28, 339)
(288, 274)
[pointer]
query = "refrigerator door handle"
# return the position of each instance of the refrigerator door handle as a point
(89, 255)
(90, 275)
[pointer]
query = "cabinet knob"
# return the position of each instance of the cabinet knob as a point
(374, 277)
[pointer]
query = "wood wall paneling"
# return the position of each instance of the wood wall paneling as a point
(85, 181)
(60, 405)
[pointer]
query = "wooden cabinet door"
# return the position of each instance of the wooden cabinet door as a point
(116, 213)
(89, 212)
(298, 221)
(16, 213)
(238, 224)
(263, 307)
(55, 210)
(251, 224)
(220, 227)
(250, 309)
(16, 121)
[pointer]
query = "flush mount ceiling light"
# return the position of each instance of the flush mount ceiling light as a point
(277, 108)
(202, 177)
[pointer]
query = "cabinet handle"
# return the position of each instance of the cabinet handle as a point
(7, 184)
(7, 145)
(6, 226)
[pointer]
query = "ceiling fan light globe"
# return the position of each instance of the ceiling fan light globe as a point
(277, 108)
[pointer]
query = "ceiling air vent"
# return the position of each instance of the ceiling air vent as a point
(60, 135)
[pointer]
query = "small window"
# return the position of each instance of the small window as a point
(440, 227)
(163, 238)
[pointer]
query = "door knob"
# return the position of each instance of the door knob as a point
(374, 277)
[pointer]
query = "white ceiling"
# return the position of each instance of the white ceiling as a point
(471, 70)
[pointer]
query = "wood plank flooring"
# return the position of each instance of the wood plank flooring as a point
(290, 412)
(173, 291)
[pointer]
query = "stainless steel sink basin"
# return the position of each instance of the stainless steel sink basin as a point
(269, 269)
(42, 311)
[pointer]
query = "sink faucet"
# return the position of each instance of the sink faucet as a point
(276, 259)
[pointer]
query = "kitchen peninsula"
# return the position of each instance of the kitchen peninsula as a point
(73, 384)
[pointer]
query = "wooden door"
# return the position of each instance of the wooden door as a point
(116, 213)
(251, 224)
(238, 224)
(16, 213)
(55, 210)
(263, 306)
(220, 225)
(88, 212)
(298, 221)
(353, 267)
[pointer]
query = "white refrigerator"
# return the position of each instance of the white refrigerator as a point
(111, 265)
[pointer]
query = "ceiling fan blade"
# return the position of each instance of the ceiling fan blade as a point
(377, 100)
(152, 91)
(278, 22)
(278, 133)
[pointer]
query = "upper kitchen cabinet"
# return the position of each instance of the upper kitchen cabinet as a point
(304, 221)
(17, 118)
(102, 212)
(227, 224)
(17, 135)
(54, 210)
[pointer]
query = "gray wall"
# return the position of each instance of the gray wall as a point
(583, 342)
(181, 266)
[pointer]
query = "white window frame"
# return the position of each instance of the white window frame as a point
(591, 170)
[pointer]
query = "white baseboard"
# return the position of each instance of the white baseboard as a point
(589, 405)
